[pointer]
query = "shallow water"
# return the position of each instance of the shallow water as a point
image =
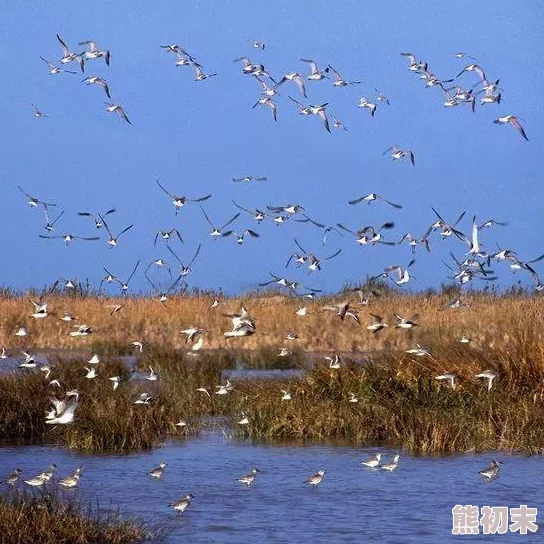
(353, 504)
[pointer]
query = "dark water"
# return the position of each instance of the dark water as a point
(12, 362)
(258, 374)
(353, 504)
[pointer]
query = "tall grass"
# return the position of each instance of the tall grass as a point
(106, 420)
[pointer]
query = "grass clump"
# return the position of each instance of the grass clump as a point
(48, 519)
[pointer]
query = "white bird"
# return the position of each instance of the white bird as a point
(373, 462)
(316, 479)
(370, 197)
(268, 102)
(29, 362)
(152, 375)
(197, 346)
(377, 325)
(224, 389)
(315, 73)
(339, 81)
(391, 466)
(182, 504)
(53, 70)
(297, 79)
(68, 56)
(40, 310)
(334, 362)
(286, 395)
(492, 471)
(91, 373)
(82, 330)
(449, 377)
(95, 52)
(489, 375)
(248, 479)
(94, 80)
(42, 477)
(116, 108)
(419, 351)
(94, 360)
(72, 480)
(143, 398)
(158, 472)
(115, 381)
(514, 121)
(365, 103)
(64, 410)
(244, 420)
(200, 75)
(112, 241)
(406, 323)
(397, 154)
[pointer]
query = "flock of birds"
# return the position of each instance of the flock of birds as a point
(475, 265)
(488, 90)
(72, 481)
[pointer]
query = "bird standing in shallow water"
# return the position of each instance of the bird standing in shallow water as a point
(13, 477)
(373, 462)
(316, 479)
(72, 480)
(182, 504)
(391, 466)
(158, 472)
(249, 478)
(492, 471)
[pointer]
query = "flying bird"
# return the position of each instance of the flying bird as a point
(115, 108)
(180, 201)
(514, 121)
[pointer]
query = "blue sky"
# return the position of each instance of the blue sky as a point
(195, 137)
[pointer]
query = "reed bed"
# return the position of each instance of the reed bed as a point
(402, 404)
(48, 519)
(400, 401)
(489, 318)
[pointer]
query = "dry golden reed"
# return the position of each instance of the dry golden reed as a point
(490, 320)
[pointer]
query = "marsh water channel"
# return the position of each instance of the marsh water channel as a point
(353, 504)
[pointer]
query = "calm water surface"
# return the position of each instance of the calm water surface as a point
(353, 504)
